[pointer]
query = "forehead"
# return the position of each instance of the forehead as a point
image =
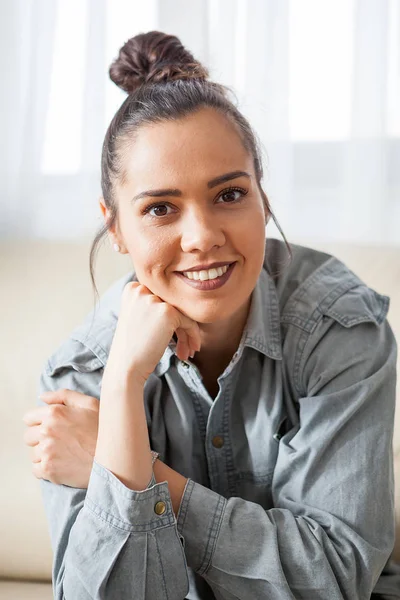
(196, 147)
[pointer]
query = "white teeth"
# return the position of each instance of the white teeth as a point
(203, 275)
(206, 275)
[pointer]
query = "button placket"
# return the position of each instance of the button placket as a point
(213, 443)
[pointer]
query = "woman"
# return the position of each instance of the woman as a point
(242, 445)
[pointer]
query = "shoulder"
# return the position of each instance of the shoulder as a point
(87, 347)
(334, 331)
(314, 284)
(332, 324)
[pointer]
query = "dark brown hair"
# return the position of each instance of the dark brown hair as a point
(164, 83)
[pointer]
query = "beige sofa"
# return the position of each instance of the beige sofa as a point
(46, 291)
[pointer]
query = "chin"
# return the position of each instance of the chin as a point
(208, 314)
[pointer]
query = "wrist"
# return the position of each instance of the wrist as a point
(176, 483)
(124, 382)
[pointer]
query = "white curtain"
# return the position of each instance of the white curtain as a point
(318, 79)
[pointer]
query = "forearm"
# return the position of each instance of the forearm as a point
(123, 442)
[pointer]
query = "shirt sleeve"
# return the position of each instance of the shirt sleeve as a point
(109, 542)
(332, 526)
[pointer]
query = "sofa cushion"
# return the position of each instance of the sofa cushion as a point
(24, 590)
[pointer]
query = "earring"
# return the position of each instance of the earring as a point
(116, 248)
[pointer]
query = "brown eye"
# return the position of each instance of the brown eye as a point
(232, 195)
(158, 210)
(229, 196)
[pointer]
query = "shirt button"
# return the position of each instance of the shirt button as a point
(218, 441)
(185, 364)
(160, 508)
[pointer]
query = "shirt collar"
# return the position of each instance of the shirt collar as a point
(262, 329)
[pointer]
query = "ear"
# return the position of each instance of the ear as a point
(114, 237)
(104, 209)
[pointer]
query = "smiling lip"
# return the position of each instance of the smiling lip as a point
(205, 267)
(210, 284)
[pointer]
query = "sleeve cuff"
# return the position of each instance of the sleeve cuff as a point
(198, 522)
(151, 482)
(127, 509)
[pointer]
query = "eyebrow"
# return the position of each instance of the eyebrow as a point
(175, 192)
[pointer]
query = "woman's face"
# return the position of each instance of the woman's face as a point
(175, 216)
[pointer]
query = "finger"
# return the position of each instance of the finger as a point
(32, 435)
(37, 470)
(192, 330)
(186, 345)
(51, 397)
(35, 415)
(183, 349)
(192, 346)
(70, 398)
(36, 454)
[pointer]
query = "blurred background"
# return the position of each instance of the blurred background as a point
(320, 82)
(318, 79)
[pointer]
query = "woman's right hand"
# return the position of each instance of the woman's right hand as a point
(145, 327)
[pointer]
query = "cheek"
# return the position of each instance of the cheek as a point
(250, 236)
(151, 252)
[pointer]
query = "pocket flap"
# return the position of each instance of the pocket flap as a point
(357, 305)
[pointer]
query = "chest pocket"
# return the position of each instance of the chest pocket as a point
(257, 487)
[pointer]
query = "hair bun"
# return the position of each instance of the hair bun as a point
(153, 56)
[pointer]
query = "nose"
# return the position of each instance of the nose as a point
(201, 232)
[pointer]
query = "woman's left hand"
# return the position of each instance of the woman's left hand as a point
(63, 437)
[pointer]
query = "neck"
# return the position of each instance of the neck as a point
(219, 341)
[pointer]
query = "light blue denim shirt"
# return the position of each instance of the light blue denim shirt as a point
(290, 490)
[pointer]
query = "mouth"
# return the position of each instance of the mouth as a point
(207, 279)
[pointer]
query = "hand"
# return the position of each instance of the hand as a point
(145, 326)
(63, 437)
